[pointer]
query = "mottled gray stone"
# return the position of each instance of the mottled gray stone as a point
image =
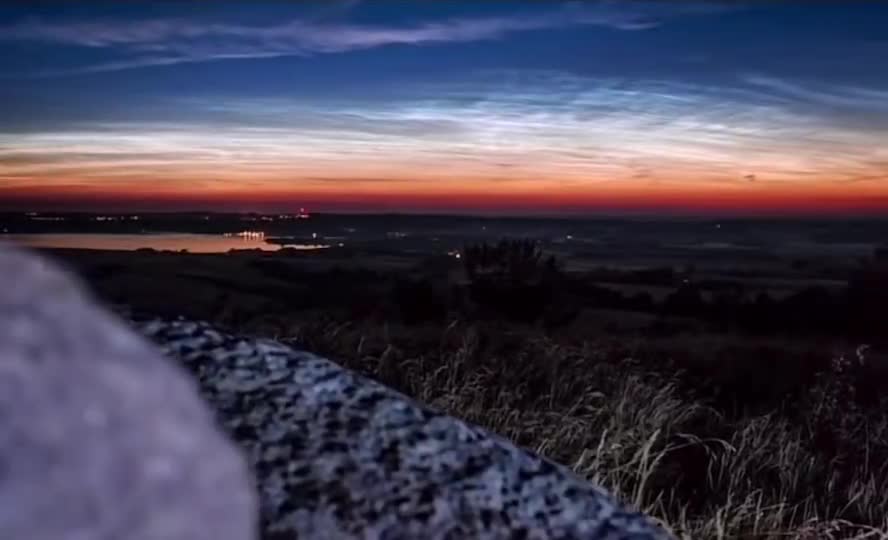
(101, 437)
(337, 455)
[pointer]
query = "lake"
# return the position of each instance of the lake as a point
(194, 243)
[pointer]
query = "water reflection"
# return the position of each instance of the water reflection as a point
(194, 243)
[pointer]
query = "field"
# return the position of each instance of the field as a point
(730, 396)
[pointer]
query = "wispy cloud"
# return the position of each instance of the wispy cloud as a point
(823, 94)
(523, 127)
(172, 41)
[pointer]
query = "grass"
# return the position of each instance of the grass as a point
(816, 469)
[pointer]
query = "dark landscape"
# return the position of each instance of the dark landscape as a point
(647, 240)
(723, 375)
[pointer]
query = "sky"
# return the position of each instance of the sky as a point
(491, 107)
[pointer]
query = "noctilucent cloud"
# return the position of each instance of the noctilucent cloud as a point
(490, 107)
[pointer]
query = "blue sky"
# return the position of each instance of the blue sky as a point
(472, 105)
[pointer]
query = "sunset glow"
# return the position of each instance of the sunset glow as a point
(360, 108)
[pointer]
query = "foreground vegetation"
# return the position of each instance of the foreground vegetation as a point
(717, 435)
(813, 467)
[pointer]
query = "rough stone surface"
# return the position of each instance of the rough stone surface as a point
(101, 438)
(337, 455)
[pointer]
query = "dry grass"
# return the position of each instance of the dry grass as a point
(819, 472)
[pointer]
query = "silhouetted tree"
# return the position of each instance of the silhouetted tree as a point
(513, 279)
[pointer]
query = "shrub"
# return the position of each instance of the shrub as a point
(514, 280)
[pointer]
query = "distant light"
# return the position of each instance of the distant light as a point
(570, 237)
(314, 235)
(458, 256)
(250, 235)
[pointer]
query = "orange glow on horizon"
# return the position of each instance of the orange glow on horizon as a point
(503, 196)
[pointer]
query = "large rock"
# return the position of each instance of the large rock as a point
(101, 438)
(340, 456)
